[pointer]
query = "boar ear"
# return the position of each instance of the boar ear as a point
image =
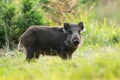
(81, 25)
(66, 26)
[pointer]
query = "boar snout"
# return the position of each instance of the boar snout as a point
(76, 41)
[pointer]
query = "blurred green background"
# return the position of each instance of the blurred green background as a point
(97, 58)
(17, 15)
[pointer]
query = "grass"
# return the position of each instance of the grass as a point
(98, 58)
(91, 63)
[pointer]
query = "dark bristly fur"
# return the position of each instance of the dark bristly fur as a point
(50, 41)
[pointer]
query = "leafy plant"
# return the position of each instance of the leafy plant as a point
(16, 19)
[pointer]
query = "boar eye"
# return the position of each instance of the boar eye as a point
(70, 32)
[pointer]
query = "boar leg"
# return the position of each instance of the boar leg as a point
(30, 53)
(70, 55)
(63, 54)
(37, 54)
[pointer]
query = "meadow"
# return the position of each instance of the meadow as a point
(97, 57)
(88, 63)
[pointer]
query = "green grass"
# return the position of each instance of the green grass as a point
(88, 63)
(98, 58)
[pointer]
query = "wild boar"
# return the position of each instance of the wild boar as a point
(61, 41)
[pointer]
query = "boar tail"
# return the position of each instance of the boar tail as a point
(19, 45)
